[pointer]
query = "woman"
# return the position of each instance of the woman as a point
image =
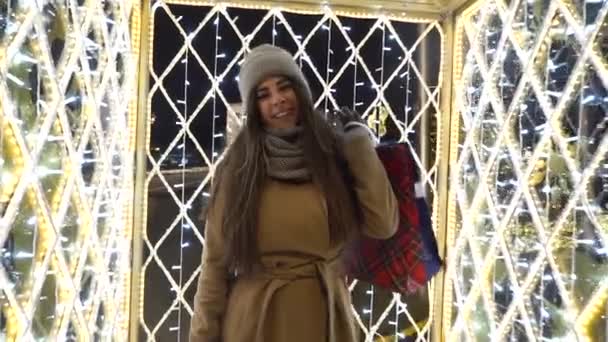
(289, 194)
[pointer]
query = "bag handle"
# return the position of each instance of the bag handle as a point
(420, 191)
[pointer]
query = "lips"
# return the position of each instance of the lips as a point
(281, 114)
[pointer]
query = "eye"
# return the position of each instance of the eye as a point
(261, 95)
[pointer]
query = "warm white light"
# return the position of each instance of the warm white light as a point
(327, 75)
(541, 198)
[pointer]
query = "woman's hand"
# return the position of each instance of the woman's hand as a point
(346, 115)
(350, 124)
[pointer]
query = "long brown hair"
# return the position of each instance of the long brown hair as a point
(241, 175)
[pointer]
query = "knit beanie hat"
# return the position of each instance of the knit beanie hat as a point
(264, 61)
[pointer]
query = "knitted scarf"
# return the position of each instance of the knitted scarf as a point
(284, 155)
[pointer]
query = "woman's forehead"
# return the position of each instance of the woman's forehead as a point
(272, 79)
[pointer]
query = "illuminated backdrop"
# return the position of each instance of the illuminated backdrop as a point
(527, 244)
(68, 77)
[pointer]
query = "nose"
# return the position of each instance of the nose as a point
(277, 98)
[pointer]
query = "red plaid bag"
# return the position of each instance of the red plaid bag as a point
(409, 259)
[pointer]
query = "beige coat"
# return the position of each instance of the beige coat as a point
(301, 295)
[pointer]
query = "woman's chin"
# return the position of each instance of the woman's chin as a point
(283, 123)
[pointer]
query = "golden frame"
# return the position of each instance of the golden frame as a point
(443, 145)
(445, 206)
(588, 56)
(83, 254)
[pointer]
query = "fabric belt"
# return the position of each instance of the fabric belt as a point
(280, 271)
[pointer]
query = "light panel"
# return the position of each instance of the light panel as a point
(192, 86)
(528, 219)
(66, 165)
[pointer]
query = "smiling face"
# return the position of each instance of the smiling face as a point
(277, 103)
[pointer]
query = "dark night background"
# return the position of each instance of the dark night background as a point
(403, 91)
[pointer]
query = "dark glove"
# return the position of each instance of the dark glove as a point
(347, 119)
(342, 117)
(346, 115)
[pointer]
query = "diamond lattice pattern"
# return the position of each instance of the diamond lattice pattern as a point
(528, 255)
(68, 78)
(372, 64)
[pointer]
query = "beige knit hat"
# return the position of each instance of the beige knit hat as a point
(268, 60)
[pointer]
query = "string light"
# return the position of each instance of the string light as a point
(538, 230)
(46, 174)
(280, 26)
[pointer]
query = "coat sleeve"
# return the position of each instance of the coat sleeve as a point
(212, 289)
(372, 186)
